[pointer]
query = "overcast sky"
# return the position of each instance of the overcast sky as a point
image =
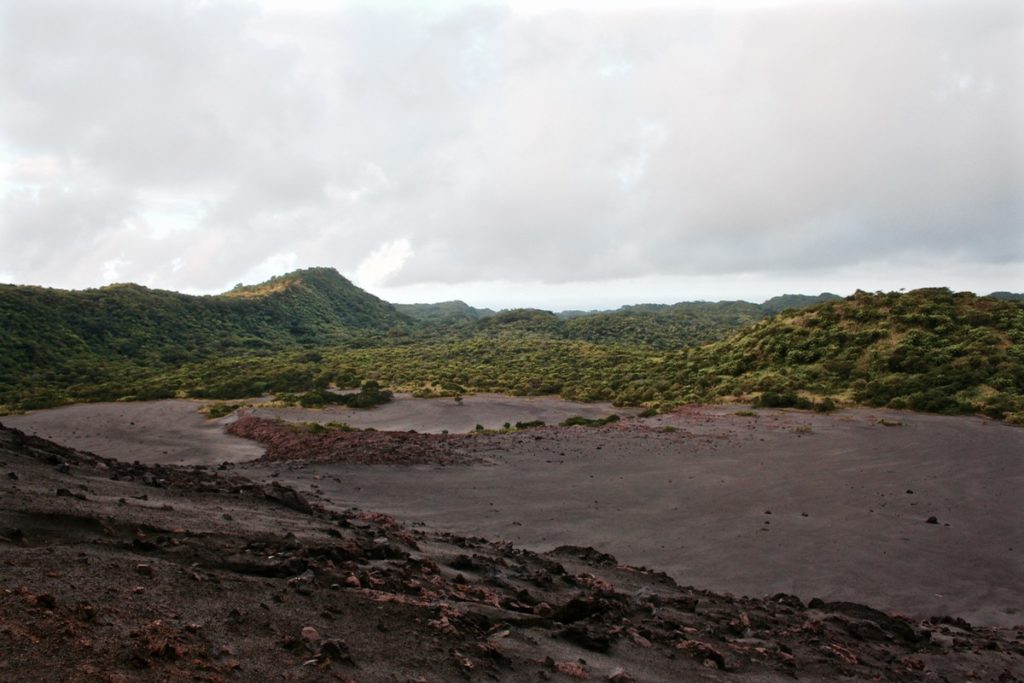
(552, 154)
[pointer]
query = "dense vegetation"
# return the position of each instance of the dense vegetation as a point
(446, 311)
(300, 334)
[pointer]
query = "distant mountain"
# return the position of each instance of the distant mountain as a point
(1007, 296)
(445, 311)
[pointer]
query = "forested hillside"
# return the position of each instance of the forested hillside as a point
(56, 343)
(929, 350)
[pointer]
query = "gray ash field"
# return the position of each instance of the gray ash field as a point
(544, 554)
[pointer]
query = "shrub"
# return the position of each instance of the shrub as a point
(579, 420)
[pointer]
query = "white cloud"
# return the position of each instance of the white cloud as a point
(276, 264)
(112, 269)
(386, 260)
(32, 170)
(524, 142)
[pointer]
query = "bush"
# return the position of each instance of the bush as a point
(784, 399)
(217, 410)
(826, 405)
(579, 420)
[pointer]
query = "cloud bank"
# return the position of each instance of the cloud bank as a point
(191, 145)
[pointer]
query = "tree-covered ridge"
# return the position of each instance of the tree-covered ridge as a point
(443, 312)
(665, 327)
(928, 349)
(655, 326)
(52, 340)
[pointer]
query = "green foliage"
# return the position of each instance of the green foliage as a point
(321, 428)
(368, 396)
(446, 312)
(299, 335)
(109, 343)
(218, 410)
(580, 421)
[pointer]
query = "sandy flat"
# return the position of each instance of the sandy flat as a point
(848, 496)
(175, 432)
(749, 505)
(168, 432)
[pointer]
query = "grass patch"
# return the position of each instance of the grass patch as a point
(323, 428)
(214, 411)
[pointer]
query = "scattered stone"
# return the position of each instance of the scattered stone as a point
(335, 650)
(932, 520)
(310, 634)
(46, 600)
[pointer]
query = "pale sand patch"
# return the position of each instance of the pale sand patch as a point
(168, 432)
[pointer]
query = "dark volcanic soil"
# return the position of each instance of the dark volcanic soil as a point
(118, 572)
(831, 506)
(287, 442)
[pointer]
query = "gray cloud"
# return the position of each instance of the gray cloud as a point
(191, 145)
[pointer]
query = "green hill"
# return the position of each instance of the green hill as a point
(444, 312)
(55, 342)
(777, 304)
(654, 326)
(664, 327)
(929, 350)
